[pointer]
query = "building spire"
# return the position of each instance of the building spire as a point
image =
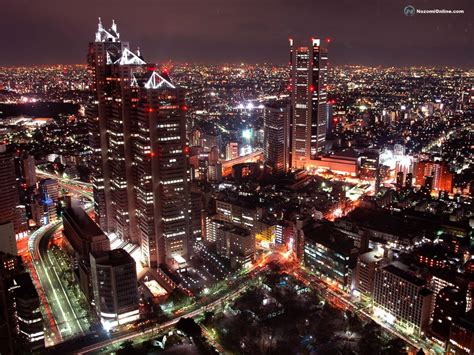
(114, 26)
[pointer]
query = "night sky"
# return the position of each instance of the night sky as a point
(373, 32)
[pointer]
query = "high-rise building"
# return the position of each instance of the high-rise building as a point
(231, 150)
(115, 287)
(401, 296)
(9, 191)
(49, 188)
(450, 304)
(276, 126)
(29, 171)
(308, 82)
(138, 134)
(435, 175)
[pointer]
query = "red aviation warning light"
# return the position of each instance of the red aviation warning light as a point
(311, 88)
(186, 150)
(328, 40)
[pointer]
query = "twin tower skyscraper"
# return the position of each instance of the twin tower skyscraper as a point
(137, 127)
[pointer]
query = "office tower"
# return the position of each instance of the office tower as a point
(450, 304)
(49, 188)
(308, 81)
(437, 173)
(197, 213)
(82, 233)
(402, 297)
(111, 62)
(9, 191)
(368, 162)
(29, 171)
(84, 236)
(232, 150)
(137, 119)
(115, 287)
(276, 128)
(214, 155)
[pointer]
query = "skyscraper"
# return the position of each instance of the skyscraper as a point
(137, 121)
(9, 190)
(308, 81)
(276, 128)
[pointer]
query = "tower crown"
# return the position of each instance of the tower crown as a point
(103, 35)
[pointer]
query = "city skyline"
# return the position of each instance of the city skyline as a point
(237, 208)
(211, 32)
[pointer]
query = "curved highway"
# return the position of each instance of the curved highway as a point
(65, 313)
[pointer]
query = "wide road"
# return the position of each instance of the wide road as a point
(119, 338)
(63, 311)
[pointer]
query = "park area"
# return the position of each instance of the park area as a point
(282, 316)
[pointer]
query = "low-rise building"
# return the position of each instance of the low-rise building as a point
(330, 254)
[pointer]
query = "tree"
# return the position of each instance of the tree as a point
(189, 327)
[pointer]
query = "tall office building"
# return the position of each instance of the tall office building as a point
(9, 191)
(232, 150)
(137, 121)
(29, 171)
(436, 173)
(308, 81)
(115, 287)
(49, 188)
(276, 127)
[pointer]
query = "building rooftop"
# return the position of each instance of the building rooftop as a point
(329, 237)
(114, 257)
(82, 222)
(371, 257)
(403, 271)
